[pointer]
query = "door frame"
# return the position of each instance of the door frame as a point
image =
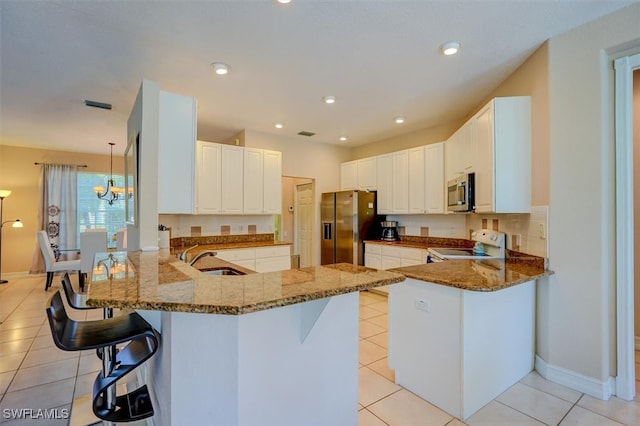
(296, 211)
(625, 336)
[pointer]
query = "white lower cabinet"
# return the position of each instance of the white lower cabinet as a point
(460, 349)
(271, 259)
(259, 259)
(382, 256)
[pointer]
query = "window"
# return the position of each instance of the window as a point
(96, 213)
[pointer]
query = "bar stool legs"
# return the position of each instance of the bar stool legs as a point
(142, 341)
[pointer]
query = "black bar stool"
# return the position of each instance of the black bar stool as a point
(143, 341)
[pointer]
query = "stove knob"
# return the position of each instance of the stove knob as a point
(493, 237)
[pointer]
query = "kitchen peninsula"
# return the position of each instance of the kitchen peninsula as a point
(462, 331)
(270, 348)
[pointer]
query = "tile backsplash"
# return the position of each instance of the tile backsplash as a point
(529, 230)
(526, 232)
(183, 225)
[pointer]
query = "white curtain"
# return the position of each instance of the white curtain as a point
(57, 212)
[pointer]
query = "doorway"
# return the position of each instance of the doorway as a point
(298, 213)
(303, 219)
(625, 242)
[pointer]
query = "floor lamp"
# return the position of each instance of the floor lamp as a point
(4, 193)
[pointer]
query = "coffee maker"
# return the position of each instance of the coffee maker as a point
(389, 230)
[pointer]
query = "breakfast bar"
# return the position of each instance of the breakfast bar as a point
(269, 348)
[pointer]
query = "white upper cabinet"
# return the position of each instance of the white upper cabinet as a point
(384, 183)
(400, 182)
(417, 180)
(349, 175)
(176, 154)
(238, 180)
(358, 174)
(272, 182)
(232, 179)
(503, 159)
(367, 173)
(253, 181)
(461, 151)
(434, 178)
(208, 180)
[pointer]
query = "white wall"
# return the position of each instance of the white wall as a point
(579, 298)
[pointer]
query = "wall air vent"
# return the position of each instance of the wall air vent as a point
(306, 133)
(95, 104)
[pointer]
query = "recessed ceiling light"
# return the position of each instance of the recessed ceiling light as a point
(450, 48)
(343, 138)
(220, 68)
(329, 99)
(283, 1)
(399, 120)
(279, 125)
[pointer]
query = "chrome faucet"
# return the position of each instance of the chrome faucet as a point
(183, 255)
(202, 254)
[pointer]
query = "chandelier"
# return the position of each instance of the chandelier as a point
(112, 192)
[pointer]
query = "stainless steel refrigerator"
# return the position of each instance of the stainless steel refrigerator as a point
(347, 219)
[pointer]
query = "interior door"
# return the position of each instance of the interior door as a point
(304, 234)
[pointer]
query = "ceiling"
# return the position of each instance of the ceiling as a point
(380, 59)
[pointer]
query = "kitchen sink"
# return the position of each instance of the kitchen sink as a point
(221, 271)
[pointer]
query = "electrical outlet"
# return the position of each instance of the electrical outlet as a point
(518, 240)
(542, 231)
(423, 305)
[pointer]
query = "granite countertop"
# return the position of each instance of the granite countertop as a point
(226, 246)
(476, 275)
(159, 281)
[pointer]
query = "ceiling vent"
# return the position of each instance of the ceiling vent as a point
(95, 104)
(306, 133)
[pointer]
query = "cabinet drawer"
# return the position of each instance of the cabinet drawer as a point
(412, 254)
(273, 251)
(372, 248)
(237, 254)
(272, 264)
(394, 251)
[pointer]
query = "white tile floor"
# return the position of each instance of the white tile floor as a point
(34, 373)
(532, 401)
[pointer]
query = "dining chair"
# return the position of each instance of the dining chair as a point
(91, 242)
(51, 264)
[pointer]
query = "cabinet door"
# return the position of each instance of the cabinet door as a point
(468, 147)
(484, 185)
(434, 179)
(273, 264)
(349, 175)
(208, 182)
(366, 171)
(253, 181)
(384, 182)
(232, 179)
(176, 154)
(372, 261)
(400, 184)
(272, 182)
(416, 180)
(388, 262)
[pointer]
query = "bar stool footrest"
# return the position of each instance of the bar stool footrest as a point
(133, 406)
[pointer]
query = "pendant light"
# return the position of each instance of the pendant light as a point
(112, 192)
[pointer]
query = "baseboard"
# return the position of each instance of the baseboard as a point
(23, 274)
(571, 379)
(637, 343)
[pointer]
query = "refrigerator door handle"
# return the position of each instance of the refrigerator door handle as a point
(326, 230)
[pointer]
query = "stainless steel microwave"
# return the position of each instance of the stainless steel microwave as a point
(460, 193)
